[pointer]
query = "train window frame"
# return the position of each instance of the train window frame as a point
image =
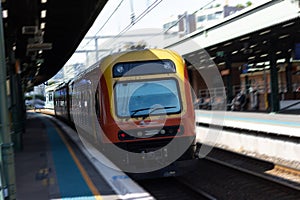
(144, 80)
(139, 63)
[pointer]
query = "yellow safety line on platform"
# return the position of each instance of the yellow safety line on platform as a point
(83, 172)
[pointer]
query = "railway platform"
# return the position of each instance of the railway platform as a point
(268, 136)
(53, 165)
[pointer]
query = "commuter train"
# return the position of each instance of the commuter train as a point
(136, 108)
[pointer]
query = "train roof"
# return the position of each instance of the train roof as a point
(135, 55)
(129, 55)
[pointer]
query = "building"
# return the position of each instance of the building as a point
(213, 15)
(181, 25)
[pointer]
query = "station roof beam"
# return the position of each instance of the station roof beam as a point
(43, 34)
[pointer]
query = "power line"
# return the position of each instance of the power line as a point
(133, 22)
(145, 12)
(105, 22)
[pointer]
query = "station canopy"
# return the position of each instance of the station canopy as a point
(40, 35)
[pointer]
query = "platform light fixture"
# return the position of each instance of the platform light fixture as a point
(191, 55)
(265, 32)
(43, 13)
(264, 55)
(260, 64)
(5, 13)
(245, 38)
(283, 36)
(227, 44)
(289, 24)
(280, 61)
(214, 48)
(43, 25)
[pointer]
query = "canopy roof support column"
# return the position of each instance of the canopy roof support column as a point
(230, 94)
(7, 167)
(274, 76)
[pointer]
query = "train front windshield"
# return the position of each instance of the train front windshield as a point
(149, 97)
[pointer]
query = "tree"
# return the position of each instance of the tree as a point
(240, 6)
(249, 3)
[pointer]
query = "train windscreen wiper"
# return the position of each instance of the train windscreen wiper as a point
(153, 109)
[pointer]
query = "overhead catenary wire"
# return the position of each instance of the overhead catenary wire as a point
(133, 22)
(138, 18)
(115, 10)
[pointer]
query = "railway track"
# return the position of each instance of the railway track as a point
(173, 188)
(226, 175)
(278, 174)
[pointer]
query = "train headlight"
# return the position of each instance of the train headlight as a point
(168, 66)
(139, 134)
(120, 69)
(162, 131)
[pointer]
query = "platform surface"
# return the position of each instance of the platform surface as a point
(50, 166)
(284, 124)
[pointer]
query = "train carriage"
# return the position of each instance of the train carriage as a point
(61, 102)
(136, 107)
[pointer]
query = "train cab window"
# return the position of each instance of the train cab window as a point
(144, 68)
(140, 98)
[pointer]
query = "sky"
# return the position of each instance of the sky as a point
(164, 10)
(116, 16)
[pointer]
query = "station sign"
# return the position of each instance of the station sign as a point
(39, 46)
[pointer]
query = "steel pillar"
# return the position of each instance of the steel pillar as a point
(288, 72)
(274, 76)
(247, 84)
(7, 167)
(17, 110)
(228, 80)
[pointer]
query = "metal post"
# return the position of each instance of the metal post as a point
(266, 90)
(96, 48)
(288, 73)
(17, 111)
(228, 80)
(247, 84)
(7, 155)
(274, 77)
